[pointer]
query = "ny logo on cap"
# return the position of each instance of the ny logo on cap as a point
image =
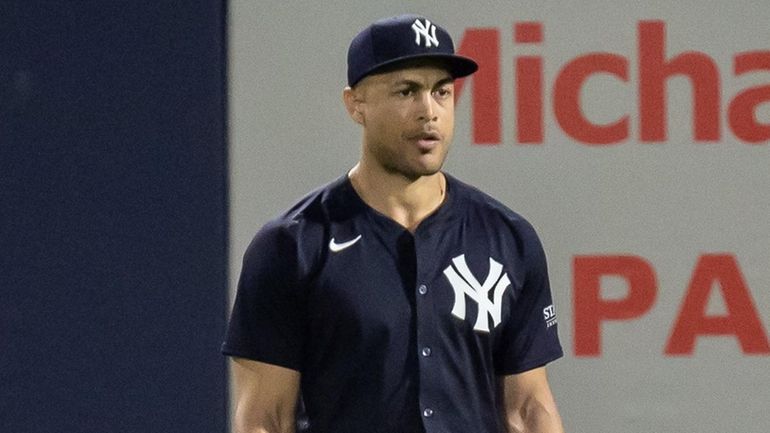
(427, 31)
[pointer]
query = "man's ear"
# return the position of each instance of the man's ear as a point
(352, 100)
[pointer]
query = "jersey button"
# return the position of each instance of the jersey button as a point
(423, 289)
(426, 351)
(427, 413)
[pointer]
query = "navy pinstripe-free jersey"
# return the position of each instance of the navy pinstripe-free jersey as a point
(395, 332)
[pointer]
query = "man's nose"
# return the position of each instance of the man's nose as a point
(426, 107)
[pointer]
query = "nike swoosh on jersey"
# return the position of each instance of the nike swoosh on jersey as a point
(335, 247)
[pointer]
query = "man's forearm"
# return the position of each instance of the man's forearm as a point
(266, 397)
(245, 425)
(535, 417)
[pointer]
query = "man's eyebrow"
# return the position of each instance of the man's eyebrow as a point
(413, 83)
(444, 81)
(407, 82)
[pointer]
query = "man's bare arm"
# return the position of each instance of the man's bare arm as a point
(529, 404)
(266, 397)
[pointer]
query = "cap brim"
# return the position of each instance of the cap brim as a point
(457, 66)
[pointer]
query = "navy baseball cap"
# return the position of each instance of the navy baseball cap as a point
(390, 41)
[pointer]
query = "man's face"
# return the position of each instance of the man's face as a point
(408, 119)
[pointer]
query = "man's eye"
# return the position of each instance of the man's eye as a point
(443, 92)
(405, 92)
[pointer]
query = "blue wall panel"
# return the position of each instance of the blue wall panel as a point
(113, 216)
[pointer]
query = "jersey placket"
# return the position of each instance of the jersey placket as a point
(427, 347)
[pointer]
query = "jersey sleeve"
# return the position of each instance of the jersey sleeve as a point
(530, 338)
(266, 323)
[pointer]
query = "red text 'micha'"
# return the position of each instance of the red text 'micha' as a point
(655, 69)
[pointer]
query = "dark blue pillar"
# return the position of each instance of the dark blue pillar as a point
(113, 216)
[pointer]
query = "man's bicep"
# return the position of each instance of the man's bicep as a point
(268, 320)
(266, 397)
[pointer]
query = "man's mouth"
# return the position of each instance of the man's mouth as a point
(426, 140)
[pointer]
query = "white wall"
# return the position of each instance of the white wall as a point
(669, 202)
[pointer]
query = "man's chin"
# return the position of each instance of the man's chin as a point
(425, 165)
(417, 173)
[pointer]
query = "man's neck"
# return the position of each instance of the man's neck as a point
(407, 202)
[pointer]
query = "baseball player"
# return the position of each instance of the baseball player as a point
(396, 299)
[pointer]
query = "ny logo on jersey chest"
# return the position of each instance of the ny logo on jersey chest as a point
(465, 284)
